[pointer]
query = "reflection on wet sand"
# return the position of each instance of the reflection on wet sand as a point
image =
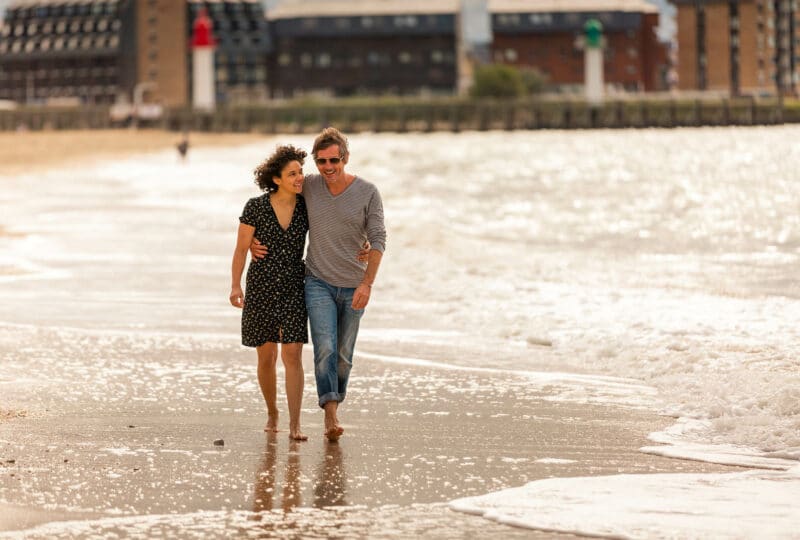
(329, 489)
(266, 478)
(331, 486)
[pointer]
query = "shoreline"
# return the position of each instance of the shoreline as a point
(34, 151)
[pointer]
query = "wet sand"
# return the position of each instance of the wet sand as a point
(30, 151)
(145, 462)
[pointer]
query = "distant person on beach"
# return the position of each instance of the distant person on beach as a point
(183, 146)
(274, 309)
(344, 212)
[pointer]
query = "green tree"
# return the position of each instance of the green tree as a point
(501, 80)
(533, 79)
(497, 80)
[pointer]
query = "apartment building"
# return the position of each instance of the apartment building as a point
(738, 46)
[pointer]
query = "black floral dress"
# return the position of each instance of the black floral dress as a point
(274, 301)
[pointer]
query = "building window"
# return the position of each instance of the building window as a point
(306, 60)
(509, 19)
(284, 59)
(404, 57)
(541, 18)
(324, 60)
(367, 22)
(511, 55)
(437, 56)
(407, 21)
(375, 58)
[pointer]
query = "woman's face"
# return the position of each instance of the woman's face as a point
(291, 179)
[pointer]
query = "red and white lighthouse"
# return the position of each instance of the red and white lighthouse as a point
(203, 45)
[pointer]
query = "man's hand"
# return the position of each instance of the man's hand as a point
(361, 296)
(237, 297)
(363, 253)
(257, 249)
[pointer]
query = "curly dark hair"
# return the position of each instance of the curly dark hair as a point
(275, 163)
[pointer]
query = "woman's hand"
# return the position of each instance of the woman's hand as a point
(237, 297)
(363, 254)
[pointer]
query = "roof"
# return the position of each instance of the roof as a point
(342, 8)
(555, 6)
(34, 3)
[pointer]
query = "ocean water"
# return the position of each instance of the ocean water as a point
(654, 269)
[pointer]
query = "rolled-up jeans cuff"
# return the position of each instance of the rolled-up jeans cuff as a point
(330, 396)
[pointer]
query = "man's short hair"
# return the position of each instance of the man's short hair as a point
(329, 137)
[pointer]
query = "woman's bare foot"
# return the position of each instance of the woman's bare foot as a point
(297, 435)
(272, 422)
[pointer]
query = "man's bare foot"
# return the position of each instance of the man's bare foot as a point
(334, 432)
(272, 422)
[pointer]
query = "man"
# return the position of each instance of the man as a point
(344, 211)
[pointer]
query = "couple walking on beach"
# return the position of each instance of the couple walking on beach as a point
(343, 216)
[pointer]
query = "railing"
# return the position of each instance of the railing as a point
(421, 116)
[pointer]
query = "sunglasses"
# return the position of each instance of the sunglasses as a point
(323, 161)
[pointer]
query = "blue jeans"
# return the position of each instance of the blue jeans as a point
(334, 327)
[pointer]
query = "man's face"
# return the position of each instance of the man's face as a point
(329, 170)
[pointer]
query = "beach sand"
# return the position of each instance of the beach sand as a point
(145, 462)
(27, 151)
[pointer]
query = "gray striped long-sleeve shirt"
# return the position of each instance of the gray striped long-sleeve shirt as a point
(338, 226)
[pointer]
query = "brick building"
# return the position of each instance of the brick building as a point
(362, 47)
(738, 46)
(408, 46)
(542, 34)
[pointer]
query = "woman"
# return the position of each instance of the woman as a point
(274, 309)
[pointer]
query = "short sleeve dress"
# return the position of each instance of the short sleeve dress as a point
(274, 303)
